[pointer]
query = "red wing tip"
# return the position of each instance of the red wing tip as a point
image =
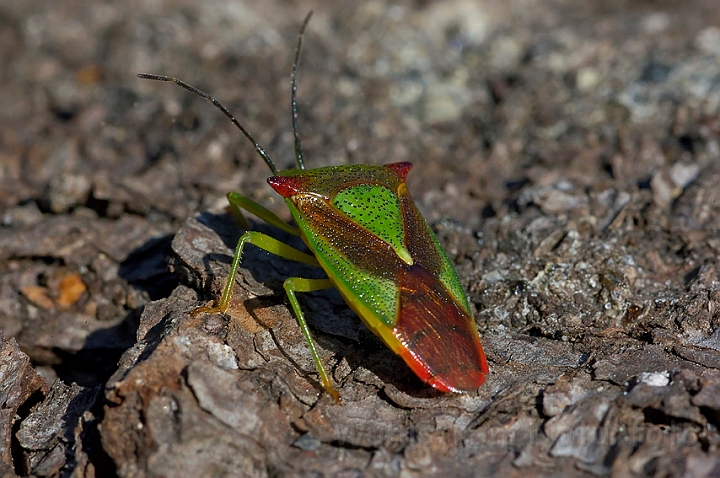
(459, 381)
(466, 385)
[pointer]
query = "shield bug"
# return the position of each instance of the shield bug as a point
(364, 230)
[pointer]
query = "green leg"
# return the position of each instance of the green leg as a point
(297, 284)
(265, 242)
(239, 202)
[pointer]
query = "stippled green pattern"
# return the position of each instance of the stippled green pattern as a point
(374, 288)
(378, 294)
(449, 278)
(375, 208)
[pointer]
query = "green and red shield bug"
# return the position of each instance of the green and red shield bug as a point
(366, 233)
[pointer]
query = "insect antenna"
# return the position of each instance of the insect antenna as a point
(293, 95)
(260, 150)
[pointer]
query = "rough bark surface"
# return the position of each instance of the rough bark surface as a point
(567, 155)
